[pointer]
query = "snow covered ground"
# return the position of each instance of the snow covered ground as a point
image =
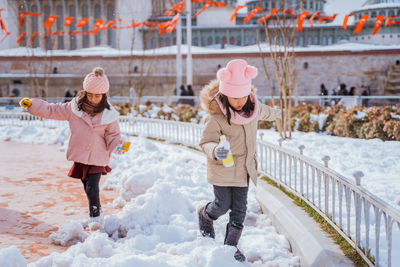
(160, 188)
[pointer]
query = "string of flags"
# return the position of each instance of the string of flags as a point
(175, 11)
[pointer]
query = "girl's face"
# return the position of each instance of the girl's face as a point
(237, 103)
(94, 99)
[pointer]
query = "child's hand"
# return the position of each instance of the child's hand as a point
(25, 102)
(125, 146)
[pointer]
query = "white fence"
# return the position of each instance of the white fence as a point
(194, 100)
(348, 207)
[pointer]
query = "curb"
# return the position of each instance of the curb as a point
(306, 239)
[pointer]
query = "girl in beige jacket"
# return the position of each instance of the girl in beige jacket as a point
(233, 111)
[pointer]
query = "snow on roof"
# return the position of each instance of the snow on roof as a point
(172, 50)
(378, 6)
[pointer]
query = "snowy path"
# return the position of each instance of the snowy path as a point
(160, 188)
(37, 197)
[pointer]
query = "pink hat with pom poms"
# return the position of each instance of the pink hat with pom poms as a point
(235, 79)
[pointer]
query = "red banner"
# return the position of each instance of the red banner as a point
(82, 22)
(361, 23)
(34, 35)
(346, 19)
(21, 36)
(22, 17)
(232, 18)
(327, 18)
(316, 14)
(49, 21)
(388, 21)
(301, 19)
(68, 21)
(251, 14)
(378, 24)
(267, 17)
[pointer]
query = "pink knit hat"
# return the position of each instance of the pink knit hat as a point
(235, 79)
(96, 82)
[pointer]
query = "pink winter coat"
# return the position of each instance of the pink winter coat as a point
(92, 139)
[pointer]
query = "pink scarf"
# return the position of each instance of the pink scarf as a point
(240, 118)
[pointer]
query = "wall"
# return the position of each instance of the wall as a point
(330, 68)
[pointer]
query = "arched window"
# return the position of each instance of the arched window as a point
(85, 38)
(301, 41)
(330, 39)
(316, 40)
(97, 15)
(160, 41)
(309, 40)
(232, 40)
(391, 12)
(224, 40)
(35, 26)
(373, 14)
(72, 37)
(324, 40)
(217, 40)
(203, 41)
(168, 41)
(60, 26)
(238, 40)
(23, 29)
(110, 33)
(209, 40)
(48, 43)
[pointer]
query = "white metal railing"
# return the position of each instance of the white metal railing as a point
(194, 100)
(347, 206)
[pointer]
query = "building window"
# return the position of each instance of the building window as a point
(168, 41)
(209, 40)
(232, 40)
(324, 40)
(72, 37)
(391, 13)
(373, 14)
(97, 15)
(309, 40)
(203, 41)
(195, 41)
(238, 40)
(301, 41)
(35, 26)
(316, 40)
(217, 40)
(110, 33)
(160, 41)
(60, 26)
(85, 38)
(23, 29)
(339, 38)
(48, 42)
(330, 40)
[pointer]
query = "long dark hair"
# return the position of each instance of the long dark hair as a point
(247, 108)
(82, 100)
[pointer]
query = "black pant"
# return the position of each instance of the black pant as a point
(229, 197)
(91, 186)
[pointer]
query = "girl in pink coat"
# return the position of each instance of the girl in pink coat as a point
(95, 133)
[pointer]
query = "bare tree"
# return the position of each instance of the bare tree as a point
(280, 32)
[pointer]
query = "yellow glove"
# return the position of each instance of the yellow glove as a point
(25, 102)
(125, 146)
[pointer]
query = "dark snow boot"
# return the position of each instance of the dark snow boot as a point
(206, 223)
(232, 237)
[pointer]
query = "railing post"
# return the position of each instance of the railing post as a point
(261, 136)
(301, 148)
(326, 159)
(280, 140)
(357, 203)
(357, 176)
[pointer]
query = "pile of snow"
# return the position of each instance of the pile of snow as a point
(161, 187)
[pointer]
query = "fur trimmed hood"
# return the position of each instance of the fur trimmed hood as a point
(208, 95)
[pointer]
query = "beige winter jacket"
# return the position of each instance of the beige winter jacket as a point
(242, 139)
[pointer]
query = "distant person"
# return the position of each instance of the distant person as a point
(365, 92)
(182, 92)
(68, 95)
(75, 93)
(343, 89)
(324, 92)
(352, 91)
(334, 100)
(191, 94)
(55, 70)
(397, 62)
(94, 135)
